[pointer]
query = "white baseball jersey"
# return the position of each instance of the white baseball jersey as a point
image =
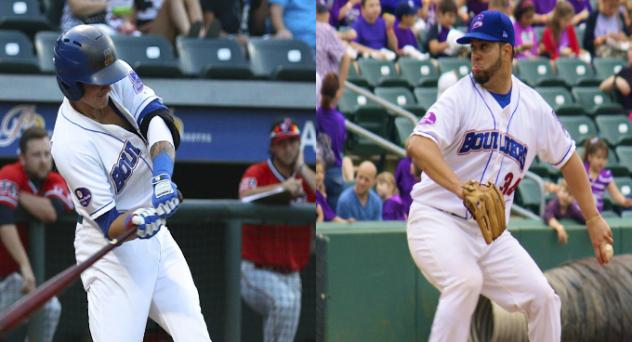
(481, 141)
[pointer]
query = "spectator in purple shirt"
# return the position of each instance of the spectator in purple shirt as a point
(526, 45)
(324, 213)
(595, 159)
(332, 134)
(407, 45)
(562, 207)
(582, 10)
(406, 178)
(437, 37)
(393, 208)
(374, 36)
(344, 12)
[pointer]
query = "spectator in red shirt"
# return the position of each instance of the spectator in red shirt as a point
(558, 38)
(29, 190)
(273, 255)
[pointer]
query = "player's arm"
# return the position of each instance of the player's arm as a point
(146, 221)
(426, 156)
(11, 240)
(40, 207)
(577, 180)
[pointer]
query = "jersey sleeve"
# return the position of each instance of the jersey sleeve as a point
(56, 189)
(555, 144)
(442, 120)
(250, 179)
(91, 189)
(9, 188)
(133, 94)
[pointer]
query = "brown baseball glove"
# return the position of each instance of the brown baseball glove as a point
(487, 205)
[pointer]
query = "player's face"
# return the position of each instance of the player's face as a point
(286, 151)
(95, 96)
(486, 60)
(37, 160)
(371, 10)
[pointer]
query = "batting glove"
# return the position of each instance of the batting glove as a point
(147, 222)
(165, 198)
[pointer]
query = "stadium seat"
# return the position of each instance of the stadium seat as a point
(461, 65)
(609, 214)
(354, 76)
(149, 55)
(351, 101)
(538, 72)
(624, 153)
(213, 58)
(289, 60)
(580, 31)
(380, 73)
(595, 101)
(16, 53)
(426, 96)
(419, 73)
(576, 72)
(401, 97)
(22, 15)
(560, 100)
(375, 120)
(615, 129)
(529, 194)
(44, 43)
(606, 67)
(403, 128)
(580, 127)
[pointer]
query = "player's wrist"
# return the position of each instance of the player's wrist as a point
(162, 164)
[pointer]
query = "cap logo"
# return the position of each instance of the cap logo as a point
(504, 34)
(477, 21)
(108, 56)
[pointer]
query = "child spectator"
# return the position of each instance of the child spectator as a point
(558, 38)
(344, 12)
(324, 213)
(437, 39)
(526, 45)
(621, 84)
(393, 208)
(606, 34)
(373, 34)
(562, 207)
(595, 158)
(406, 41)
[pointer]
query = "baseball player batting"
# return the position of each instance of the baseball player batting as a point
(474, 146)
(114, 142)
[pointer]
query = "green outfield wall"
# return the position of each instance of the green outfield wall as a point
(370, 290)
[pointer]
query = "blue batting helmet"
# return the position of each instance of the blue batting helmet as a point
(85, 55)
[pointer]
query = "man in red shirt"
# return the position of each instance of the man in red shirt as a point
(273, 255)
(29, 190)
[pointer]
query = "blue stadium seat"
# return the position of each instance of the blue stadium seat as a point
(290, 60)
(149, 55)
(16, 53)
(213, 58)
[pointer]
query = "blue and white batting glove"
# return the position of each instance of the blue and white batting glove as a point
(165, 198)
(147, 222)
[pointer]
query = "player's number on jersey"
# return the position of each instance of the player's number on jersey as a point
(507, 188)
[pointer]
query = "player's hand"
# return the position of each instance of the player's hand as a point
(147, 222)
(28, 282)
(600, 234)
(562, 236)
(294, 187)
(165, 198)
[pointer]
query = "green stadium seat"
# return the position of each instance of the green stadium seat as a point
(149, 55)
(576, 72)
(615, 129)
(401, 97)
(627, 213)
(624, 184)
(580, 127)
(403, 128)
(461, 65)
(529, 194)
(419, 73)
(538, 72)
(351, 101)
(380, 73)
(606, 67)
(624, 153)
(44, 43)
(23, 15)
(426, 97)
(596, 101)
(560, 100)
(281, 59)
(543, 169)
(213, 58)
(16, 53)
(609, 214)
(376, 120)
(354, 77)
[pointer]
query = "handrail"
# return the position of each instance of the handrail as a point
(540, 182)
(392, 109)
(378, 140)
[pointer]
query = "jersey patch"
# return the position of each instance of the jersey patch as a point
(9, 192)
(247, 183)
(136, 81)
(475, 141)
(124, 167)
(84, 196)
(428, 119)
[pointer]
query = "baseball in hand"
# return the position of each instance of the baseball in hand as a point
(608, 251)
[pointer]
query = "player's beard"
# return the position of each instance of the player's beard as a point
(484, 76)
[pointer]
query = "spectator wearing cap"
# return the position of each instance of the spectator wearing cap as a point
(273, 255)
(374, 37)
(526, 39)
(407, 45)
(331, 53)
(437, 39)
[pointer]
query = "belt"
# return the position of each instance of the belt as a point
(277, 269)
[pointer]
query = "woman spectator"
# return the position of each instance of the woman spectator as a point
(606, 33)
(558, 38)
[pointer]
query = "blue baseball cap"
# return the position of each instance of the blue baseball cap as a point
(405, 9)
(492, 26)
